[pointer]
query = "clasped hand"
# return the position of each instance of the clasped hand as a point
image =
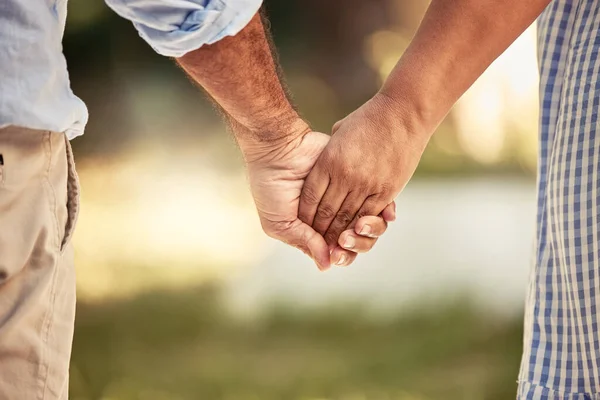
(332, 197)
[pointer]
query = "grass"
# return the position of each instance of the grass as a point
(181, 345)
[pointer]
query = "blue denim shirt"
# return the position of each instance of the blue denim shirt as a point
(34, 80)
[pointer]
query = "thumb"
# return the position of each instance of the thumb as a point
(305, 238)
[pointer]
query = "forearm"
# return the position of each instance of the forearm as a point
(456, 42)
(240, 73)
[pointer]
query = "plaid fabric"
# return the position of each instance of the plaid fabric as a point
(561, 358)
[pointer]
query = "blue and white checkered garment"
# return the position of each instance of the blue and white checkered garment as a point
(561, 359)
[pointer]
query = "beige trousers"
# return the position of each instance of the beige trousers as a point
(39, 195)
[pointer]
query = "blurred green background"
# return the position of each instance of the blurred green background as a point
(183, 297)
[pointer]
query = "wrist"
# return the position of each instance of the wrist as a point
(262, 142)
(418, 103)
(404, 119)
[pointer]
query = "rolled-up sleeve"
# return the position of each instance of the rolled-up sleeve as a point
(176, 27)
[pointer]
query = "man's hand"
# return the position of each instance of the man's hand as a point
(240, 73)
(277, 175)
(370, 158)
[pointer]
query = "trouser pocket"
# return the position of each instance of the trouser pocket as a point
(73, 194)
(39, 198)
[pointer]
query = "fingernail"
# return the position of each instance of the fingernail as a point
(341, 261)
(366, 230)
(349, 243)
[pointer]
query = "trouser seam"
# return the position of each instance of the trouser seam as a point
(47, 321)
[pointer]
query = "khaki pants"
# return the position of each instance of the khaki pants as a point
(39, 196)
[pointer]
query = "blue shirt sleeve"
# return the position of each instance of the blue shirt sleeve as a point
(176, 27)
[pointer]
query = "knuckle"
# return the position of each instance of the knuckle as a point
(331, 238)
(363, 213)
(327, 161)
(372, 207)
(343, 218)
(385, 190)
(362, 183)
(341, 171)
(310, 196)
(325, 211)
(337, 126)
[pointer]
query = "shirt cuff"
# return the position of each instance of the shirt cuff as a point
(176, 27)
